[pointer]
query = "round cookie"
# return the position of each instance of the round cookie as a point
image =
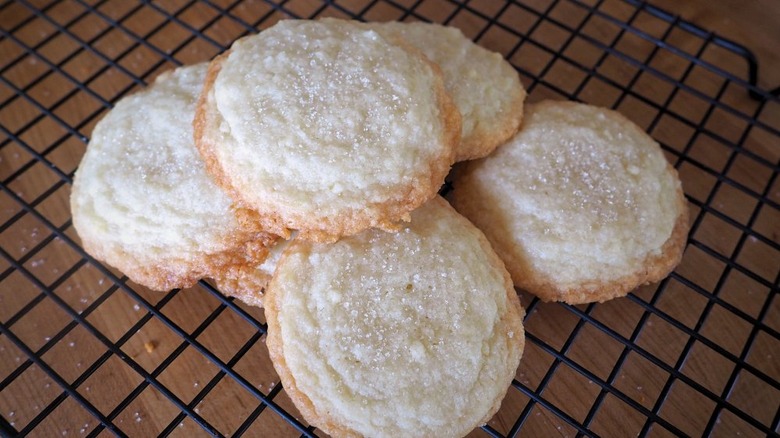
(581, 204)
(414, 333)
(484, 86)
(141, 198)
(326, 127)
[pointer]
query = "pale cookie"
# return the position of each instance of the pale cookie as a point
(326, 127)
(413, 333)
(581, 204)
(142, 201)
(484, 86)
(248, 282)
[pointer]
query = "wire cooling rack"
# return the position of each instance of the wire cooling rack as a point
(84, 351)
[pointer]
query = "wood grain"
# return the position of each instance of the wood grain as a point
(753, 24)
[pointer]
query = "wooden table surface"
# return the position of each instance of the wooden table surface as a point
(753, 24)
(83, 351)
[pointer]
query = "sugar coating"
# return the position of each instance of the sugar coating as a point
(484, 86)
(328, 128)
(142, 200)
(581, 204)
(414, 333)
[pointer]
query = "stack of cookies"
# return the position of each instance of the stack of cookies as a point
(304, 163)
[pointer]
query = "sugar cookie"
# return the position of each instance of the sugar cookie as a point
(326, 127)
(248, 282)
(413, 333)
(581, 204)
(142, 201)
(484, 86)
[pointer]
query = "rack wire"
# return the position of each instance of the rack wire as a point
(84, 351)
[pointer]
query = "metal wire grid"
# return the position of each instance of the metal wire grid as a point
(83, 350)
